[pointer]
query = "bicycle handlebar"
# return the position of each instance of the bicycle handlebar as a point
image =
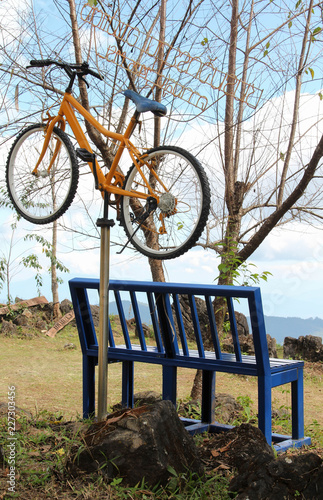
(80, 69)
(40, 63)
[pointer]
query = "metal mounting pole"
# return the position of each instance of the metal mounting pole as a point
(105, 224)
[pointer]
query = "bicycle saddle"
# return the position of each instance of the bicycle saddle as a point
(144, 104)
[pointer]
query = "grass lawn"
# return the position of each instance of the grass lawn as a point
(47, 374)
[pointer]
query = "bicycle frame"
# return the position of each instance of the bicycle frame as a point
(66, 112)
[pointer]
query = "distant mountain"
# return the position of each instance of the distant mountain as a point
(277, 327)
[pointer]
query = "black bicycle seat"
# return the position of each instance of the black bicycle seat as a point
(144, 104)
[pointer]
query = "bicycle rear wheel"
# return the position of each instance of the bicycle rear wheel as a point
(177, 221)
(44, 197)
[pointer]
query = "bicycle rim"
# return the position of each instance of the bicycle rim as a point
(183, 207)
(45, 197)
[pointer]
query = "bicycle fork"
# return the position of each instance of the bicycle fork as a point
(49, 130)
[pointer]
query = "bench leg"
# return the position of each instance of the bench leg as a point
(88, 386)
(208, 396)
(298, 406)
(264, 407)
(170, 383)
(127, 384)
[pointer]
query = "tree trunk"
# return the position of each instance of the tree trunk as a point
(160, 62)
(56, 310)
(196, 392)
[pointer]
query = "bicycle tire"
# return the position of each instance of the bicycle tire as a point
(44, 198)
(180, 217)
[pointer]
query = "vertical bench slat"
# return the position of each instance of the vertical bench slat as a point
(136, 312)
(259, 333)
(83, 317)
(180, 324)
(213, 328)
(234, 330)
(196, 325)
(111, 336)
(154, 320)
(122, 317)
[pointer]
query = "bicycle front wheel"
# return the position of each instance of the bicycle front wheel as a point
(177, 220)
(44, 197)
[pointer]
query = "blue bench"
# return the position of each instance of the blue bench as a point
(171, 349)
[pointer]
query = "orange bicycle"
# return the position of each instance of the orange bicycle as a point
(163, 201)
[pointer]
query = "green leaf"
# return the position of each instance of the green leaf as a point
(317, 31)
(312, 72)
(290, 24)
(267, 45)
(265, 53)
(172, 470)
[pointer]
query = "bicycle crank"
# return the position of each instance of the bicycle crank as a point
(151, 205)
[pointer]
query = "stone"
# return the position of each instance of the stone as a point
(289, 476)
(239, 446)
(247, 345)
(41, 325)
(308, 348)
(242, 324)
(21, 320)
(95, 310)
(227, 409)
(8, 327)
(145, 329)
(140, 399)
(146, 398)
(137, 444)
(66, 306)
(69, 346)
(202, 315)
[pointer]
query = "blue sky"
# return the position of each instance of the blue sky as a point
(294, 256)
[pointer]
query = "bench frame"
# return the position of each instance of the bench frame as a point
(171, 351)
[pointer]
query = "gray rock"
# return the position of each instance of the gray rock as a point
(137, 444)
(8, 328)
(66, 306)
(309, 348)
(288, 477)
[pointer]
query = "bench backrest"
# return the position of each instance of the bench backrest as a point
(165, 304)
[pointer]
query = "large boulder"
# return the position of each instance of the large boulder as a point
(136, 444)
(289, 476)
(258, 474)
(202, 315)
(309, 348)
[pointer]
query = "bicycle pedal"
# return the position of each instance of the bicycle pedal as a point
(85, 155)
